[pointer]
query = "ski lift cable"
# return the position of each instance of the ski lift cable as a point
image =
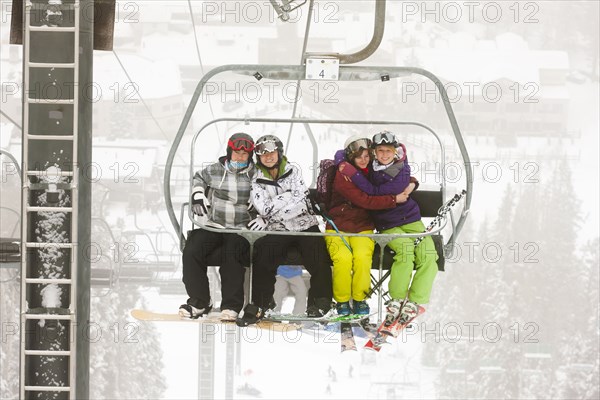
(13, 159)
(297, 94)
(202, 66)
(142, 99)
(11, 120)
(366, 52)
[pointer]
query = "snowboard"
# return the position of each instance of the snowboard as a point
(211, 318)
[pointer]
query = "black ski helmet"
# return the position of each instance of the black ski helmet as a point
(267, 144)
(240, 141)
(383, 138)
(388, 138)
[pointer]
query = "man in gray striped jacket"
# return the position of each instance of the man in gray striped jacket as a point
(225, 186)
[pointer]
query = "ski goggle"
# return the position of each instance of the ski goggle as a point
(358, 144)
(241, 144)
(384, 137)
(266, 147)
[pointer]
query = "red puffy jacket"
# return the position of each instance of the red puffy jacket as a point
(349, 206)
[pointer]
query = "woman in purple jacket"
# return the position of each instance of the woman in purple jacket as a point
(390, 174)
(352, 255)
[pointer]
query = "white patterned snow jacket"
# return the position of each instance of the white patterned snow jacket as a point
(283, 202)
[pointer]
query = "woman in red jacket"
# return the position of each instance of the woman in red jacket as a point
(352, 256)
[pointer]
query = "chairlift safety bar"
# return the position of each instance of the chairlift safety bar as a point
(297, 73)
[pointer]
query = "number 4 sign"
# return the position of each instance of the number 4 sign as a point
(326, 69)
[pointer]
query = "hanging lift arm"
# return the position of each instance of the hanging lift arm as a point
(288, 6)
(370, 48)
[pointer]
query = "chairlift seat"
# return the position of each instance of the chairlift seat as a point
(10, 250)
(293, 256)
(388, 254)
(429, 201)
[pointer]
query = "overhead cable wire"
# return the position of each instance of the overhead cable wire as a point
(142, 99)
(297, 95)
(11, 120)
(202, 69)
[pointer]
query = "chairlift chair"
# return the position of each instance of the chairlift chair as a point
(429, 201)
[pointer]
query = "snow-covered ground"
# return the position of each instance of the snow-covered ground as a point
(296, 363)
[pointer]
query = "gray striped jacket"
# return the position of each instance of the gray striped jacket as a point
(227, 191)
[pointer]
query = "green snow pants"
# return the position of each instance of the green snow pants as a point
(423, 258)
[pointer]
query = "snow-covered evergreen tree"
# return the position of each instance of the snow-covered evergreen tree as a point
(9, 345)
(126, 350)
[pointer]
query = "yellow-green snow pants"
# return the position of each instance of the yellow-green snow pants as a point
(423, 258)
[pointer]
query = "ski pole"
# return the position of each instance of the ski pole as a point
(437, 220)
(323, 214)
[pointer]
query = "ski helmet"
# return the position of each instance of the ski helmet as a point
(388, 138)
(354, 145)
(384, 137)
(268, 143)
(240, 141)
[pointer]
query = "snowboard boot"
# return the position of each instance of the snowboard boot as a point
(228, 315)
(194, 309)
(408, 312)
(253, 313)
(319, 308)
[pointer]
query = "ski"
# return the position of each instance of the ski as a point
(368, 330)
(380, 336)
(347, 338)
(397, 328)
(376, 342)
(386, 330)
(324, 319)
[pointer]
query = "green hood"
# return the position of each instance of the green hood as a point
(266, 173)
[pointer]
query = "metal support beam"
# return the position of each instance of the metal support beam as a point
(87, 43)
(55, 275)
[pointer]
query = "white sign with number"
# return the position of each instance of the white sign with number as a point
(326, 69)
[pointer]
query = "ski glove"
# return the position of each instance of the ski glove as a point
(347, 169)
(258, 224)
(199, 203)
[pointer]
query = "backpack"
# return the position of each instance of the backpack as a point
(327, 170)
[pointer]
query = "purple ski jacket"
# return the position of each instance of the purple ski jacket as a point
(392, 180)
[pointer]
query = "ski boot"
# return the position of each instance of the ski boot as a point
(409, 311)
(393, 311)
(343, 308)
(361, 307)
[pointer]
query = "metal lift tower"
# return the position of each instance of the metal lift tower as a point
(58, 39)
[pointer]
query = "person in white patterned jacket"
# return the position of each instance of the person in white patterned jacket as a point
(221, 192)
(280, 197)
